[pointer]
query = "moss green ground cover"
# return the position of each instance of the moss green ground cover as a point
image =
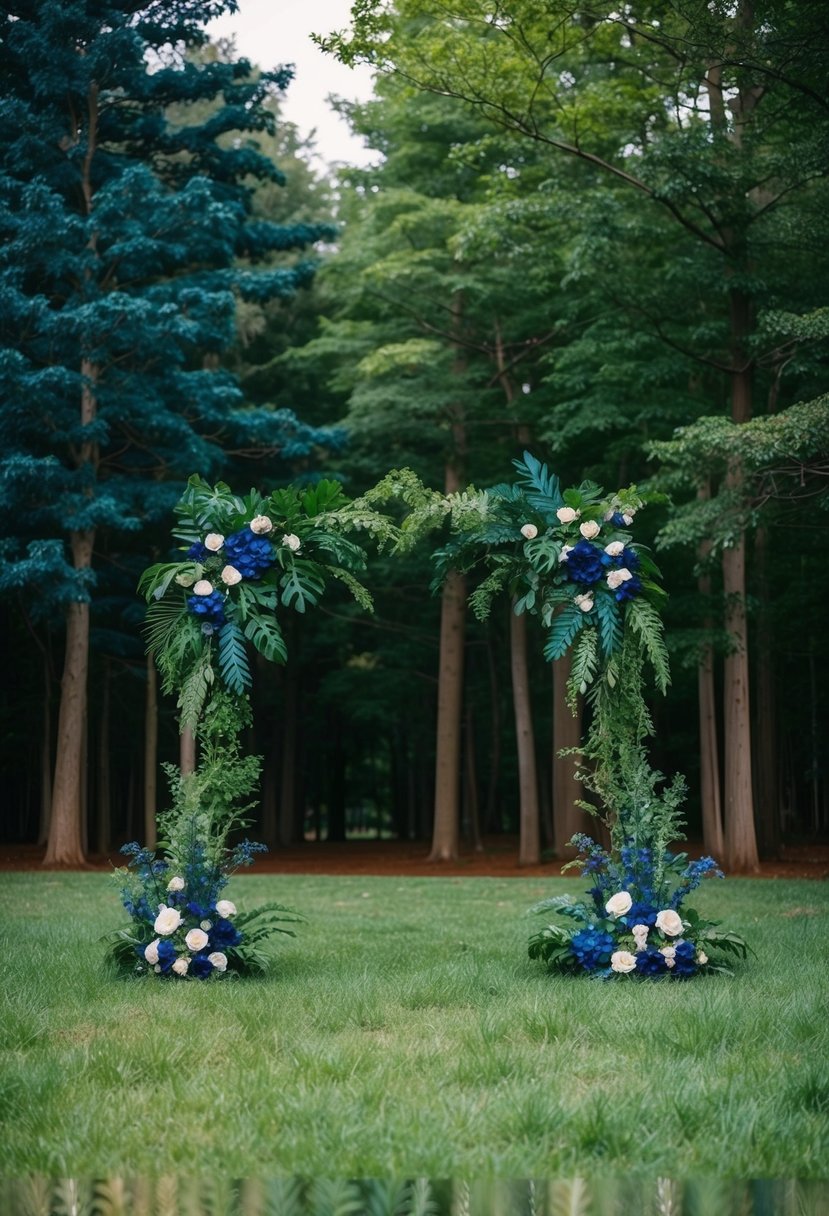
(405, 1033)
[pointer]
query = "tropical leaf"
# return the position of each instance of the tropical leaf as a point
(302, 584)
(542, 488)
(155, 582)
(162, 620)
(284, 1197)
(266, 636)
(610, 624)
(563, 630)
(233, 660)
(645, 621)
(253, 595)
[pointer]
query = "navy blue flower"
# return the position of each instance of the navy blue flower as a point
(197, 552)
(640, 914)
(685, 963)
(592, 948)
(627, 590)
(200, 911)
(200, 966)
(224, 934)
(629, 559)
(209, 607)
(584, 564)
(166, 954)
(650, 962)
(248, 553)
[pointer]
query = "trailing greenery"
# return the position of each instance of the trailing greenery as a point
(408, 1035)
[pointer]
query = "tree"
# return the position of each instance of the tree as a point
(127, 240)
(713, 114)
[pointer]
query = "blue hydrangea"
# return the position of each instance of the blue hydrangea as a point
(224, 934)
(198, 553)
(627, 590)
(208, 607)
(592, 948)
(685, 963)
(248, 553)
(640, 913)
(584, 564)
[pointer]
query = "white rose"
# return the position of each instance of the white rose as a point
(196, 939)
(619, 904)
(566, 515)
(214, 541)
(589, 529)
(529, 531)
(614, 548)
(185, 580)
(623, 962)
(203, 587)
(669, 955)
(218, 960)
(617, 577)
(702, 958)
(565, 552)
(640, 935)
(628, 517)
(261, 525)
(585, 602)
(175, 884)
(292, 542)
(151, 952)
(225, 908)
(230, 575)
(167, 921)
(669, 922)
(180, 966)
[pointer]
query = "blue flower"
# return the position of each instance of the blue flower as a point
(250, 554)
(640, 913)
(197, 552)
(224, 934)
(584, 564)
(685, 959)
(211, 607)
(592, 948)
(200, 966)
(166, 954)
(650, 962)
(200, 911)
(627, 590)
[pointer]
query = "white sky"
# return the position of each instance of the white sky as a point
(273, 32)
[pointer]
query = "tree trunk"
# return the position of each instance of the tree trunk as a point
(151, 755)
(567, 817)
(46, 755)
(103, 819)
(709, 746)
(64, 846)
(187, 751)
(287, 825)
(492, 813)
(529, 847)
(336, 782)
(767, 772)
(471, 795)
(450, 702)
(740, 841)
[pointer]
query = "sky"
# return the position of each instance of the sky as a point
(273, 32)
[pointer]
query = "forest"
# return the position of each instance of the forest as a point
(594, 233)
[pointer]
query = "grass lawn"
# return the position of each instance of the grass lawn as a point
(405, 1033)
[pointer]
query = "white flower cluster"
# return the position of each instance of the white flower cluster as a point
(170, 919)
(668, 922)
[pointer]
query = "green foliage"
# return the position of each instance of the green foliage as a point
(233, 661)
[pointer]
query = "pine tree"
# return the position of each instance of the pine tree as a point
(127, 240)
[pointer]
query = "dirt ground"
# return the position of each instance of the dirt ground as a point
(399, 858)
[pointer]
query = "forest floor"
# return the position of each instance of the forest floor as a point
(409, 858)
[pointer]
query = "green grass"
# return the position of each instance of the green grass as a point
(406, 1033)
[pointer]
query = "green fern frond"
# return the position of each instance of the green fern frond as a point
(563, 630)
(361, 594)
(584, 666)
(542, 488)
(646, 622)
(233, 660)
(161, 622)
(194, 691)
(480, 601)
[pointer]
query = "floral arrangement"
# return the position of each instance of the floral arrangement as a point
(569, 557)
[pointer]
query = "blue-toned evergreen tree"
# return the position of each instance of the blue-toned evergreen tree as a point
(127, 238)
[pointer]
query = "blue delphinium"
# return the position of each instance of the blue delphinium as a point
(592, 948)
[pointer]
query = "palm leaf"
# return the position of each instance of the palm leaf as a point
(162, 619)
(610, 624)
(563, 630)
(233, 661)
(542, 488)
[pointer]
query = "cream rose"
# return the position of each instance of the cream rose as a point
(640, 935)
(702, 958)
(196, 939)
(617, 577)
(669, 922)
(167, 921)
(151, 952)
(218, 960)
(181, 965)
(565, 553)
(261, 525)
(566, 515)
(590, 529)
(619, 904)
(529, 531)
(669, 955)
(203, 587)
(585, 602)
(214, 541)
(226, 907)
(622, 961)
(230, 575)
(176, 883)
(291, 542)
(614, 548)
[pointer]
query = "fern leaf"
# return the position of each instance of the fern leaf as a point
(361, 594)
(647, 624)
(233, 661)
(194, 691)
(563, 630)
(584, 667)
(610, 624)
(267, 637)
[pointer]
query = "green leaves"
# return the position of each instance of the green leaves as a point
(566, 624)
(542, 488)
(233, 661)
(266, 636)
(646, 622)
(302, 584)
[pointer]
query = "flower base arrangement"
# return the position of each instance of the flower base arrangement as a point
(244, 562)
(570, 558)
